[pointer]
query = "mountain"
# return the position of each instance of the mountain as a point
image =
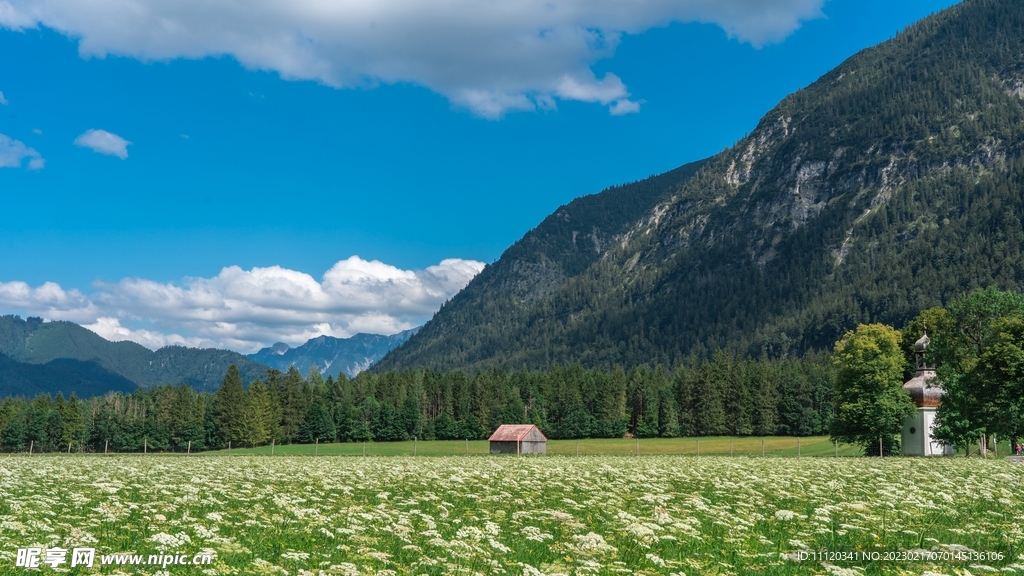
(33, 341)
(63, 376)
(332, 355)
(891, 184)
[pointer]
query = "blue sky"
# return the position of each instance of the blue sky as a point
(239, 161)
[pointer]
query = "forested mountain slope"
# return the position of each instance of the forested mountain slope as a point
(85, 379)
(891, 184)
(475, 324)
(33, 341)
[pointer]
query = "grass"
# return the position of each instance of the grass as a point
(596, 514)
(713, 445)
(819, 446)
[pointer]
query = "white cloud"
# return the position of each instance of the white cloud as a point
(621, 107)
(489, 56)
(48, 300)
(111, 329)
(104, 142)
(247, 309)
(14, 152)
(3, 101)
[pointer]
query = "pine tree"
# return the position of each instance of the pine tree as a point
(228, 406)
(708, 404)
(258, 423)
(73, 421)
(294, 397)
(317, 425)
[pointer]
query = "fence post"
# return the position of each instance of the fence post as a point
(272, 446)
(145, 445)
(69, 447)
(798, 446)
(105, 444)
(229, 446)
(577, 448)
(837, 448)
(189, 451)
(31, 444)
(881, 452)
(316, 448)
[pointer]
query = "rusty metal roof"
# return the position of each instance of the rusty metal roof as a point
(514, 432)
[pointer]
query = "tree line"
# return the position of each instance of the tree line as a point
(721, 395)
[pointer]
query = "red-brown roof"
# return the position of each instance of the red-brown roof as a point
(513, 432)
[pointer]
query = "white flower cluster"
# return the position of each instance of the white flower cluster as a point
(609, 515)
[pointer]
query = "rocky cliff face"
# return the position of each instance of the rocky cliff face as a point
(891, 184)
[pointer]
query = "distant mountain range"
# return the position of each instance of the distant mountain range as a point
(893, 183)
(332, 356)
(49, 357)
(72, 347)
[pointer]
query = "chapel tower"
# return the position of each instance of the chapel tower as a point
(926, 393)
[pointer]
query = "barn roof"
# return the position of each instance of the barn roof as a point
(514, 432)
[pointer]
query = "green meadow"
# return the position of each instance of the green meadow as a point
(707, 446)
(560, 514)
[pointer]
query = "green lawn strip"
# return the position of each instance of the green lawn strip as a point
(704, 446)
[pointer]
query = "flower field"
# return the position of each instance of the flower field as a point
(508, 515)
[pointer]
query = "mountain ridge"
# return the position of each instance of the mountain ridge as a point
(889, 185)
(33, 341)
(332, 356)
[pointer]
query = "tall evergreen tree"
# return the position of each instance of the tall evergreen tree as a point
(228, 406)
(294, 398)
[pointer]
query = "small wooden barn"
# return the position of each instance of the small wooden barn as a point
(518, 439)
